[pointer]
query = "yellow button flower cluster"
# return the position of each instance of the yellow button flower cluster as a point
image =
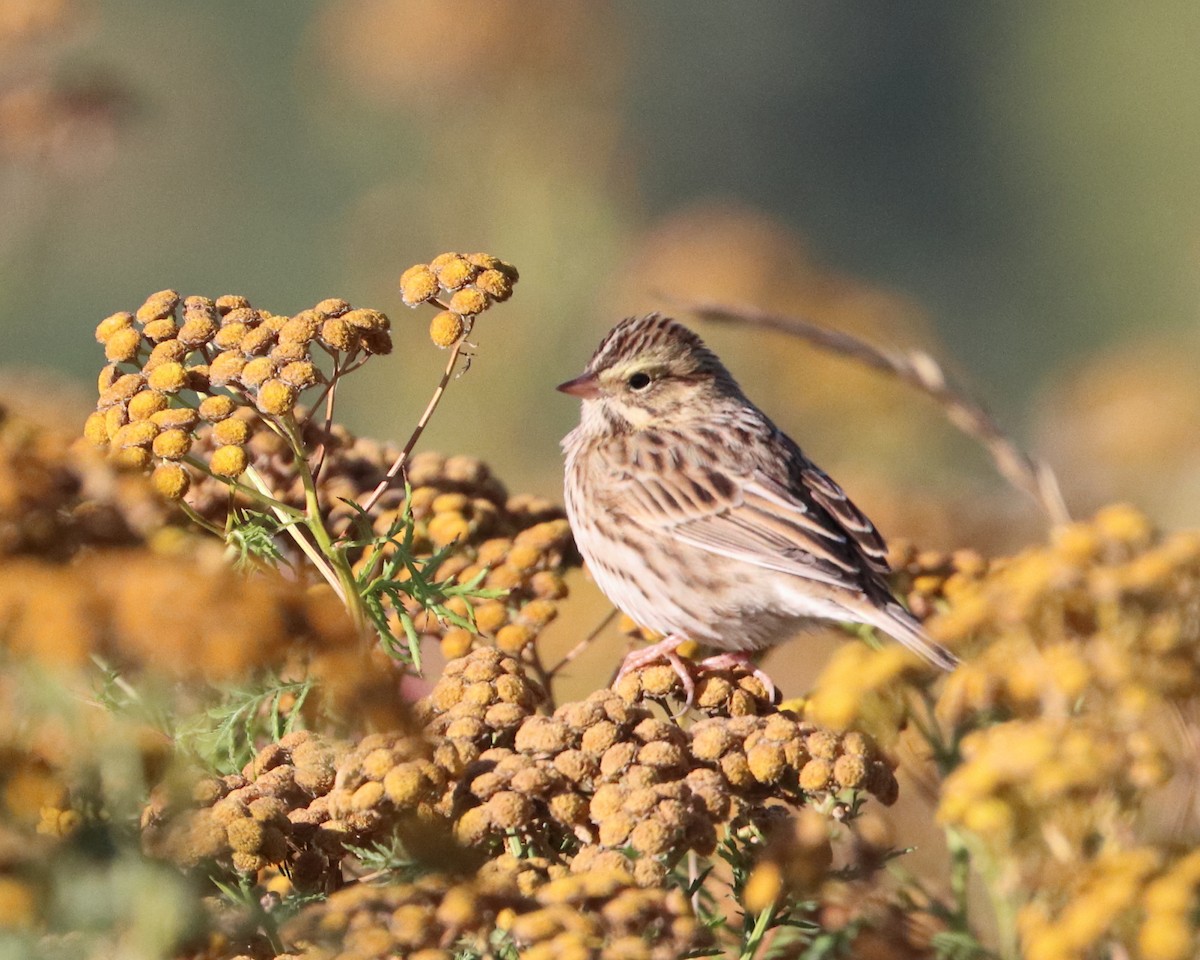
(190, 378)
(1079, 656)
(472, 282)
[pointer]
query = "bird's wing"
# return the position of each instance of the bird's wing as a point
(801, 523)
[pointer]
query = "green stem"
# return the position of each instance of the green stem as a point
(261, 496)
(1004, 911)
(203, 522)
(762, 923)
(335, 556)
(960, 875)
(302, 542)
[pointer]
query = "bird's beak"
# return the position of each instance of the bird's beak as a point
(586, 387)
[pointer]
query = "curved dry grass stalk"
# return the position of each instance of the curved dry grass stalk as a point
(920, 370)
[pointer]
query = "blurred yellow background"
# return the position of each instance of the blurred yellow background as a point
(1012, 189)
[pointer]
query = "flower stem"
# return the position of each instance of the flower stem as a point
(398, 465)
(302, 542)
(334, 555)
(762, 924)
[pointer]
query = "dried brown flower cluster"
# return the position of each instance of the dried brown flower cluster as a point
(177, 615)
(298, 805)
(603, 798)
(607, 772)
(598, 915)
(56, 498)
(189, 380)
(472, 282)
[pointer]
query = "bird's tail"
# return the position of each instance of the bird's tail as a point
(901, 625)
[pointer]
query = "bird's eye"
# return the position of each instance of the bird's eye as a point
(639, 381)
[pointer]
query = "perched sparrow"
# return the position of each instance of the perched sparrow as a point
(702, 520)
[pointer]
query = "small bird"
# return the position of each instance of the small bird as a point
(702, 520)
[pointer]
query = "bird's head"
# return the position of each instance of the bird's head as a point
(651, 371)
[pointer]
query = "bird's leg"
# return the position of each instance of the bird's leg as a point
(663, 650)
(729, 661)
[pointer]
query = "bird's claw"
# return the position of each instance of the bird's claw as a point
(731, 661)
(665, 650)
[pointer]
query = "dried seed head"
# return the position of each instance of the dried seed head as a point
(542, 735)
(232, 431)
(216, 408)
(122, 345)
(230, 301)
(228, 461)
(172, 444)
(94, 430)
(456, 273)
(166, 352)
(514, 638)
(109, 375)
(230, 335)
(158, 306)
(286, 352)
(199, 308)
(171, 481)
(417, 284)
(468, 302)
(168, 378)
(276, 398)
(815, 775)
(368, 321)
(121, 390)
(133, 458)
(257, 371)
(226, 367)
(484, 261)
(139, 434)
(145, 404)
(495, 284)
(300, 329)
(177, 418)
(114, 419)
(850, 771)
(158, 330)
(337, 334)
(258, 342)
(112, 324)
(509, 810)
(332, 307)
(377, 342)
(197, 331)
(441, 260)
(301, 374)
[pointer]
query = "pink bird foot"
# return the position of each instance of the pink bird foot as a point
(663, 650)
(731, 661)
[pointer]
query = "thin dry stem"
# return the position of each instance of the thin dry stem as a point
(582, 644)
(920, 370)
(398, 464)
(330, 397)
(313, 554)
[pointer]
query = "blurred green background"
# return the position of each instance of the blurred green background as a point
(1010, 186)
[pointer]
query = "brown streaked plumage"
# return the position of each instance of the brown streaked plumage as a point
(701, 519)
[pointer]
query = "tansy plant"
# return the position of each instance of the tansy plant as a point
(226, 404)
